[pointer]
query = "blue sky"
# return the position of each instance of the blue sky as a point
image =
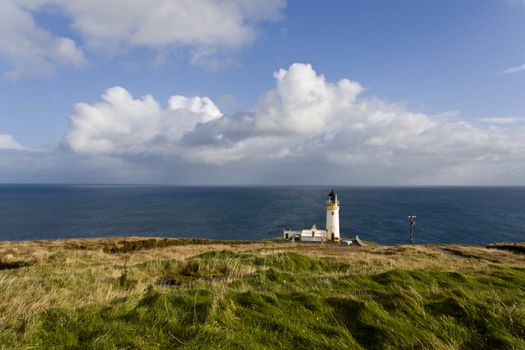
(450, 61)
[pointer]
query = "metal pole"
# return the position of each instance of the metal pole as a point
(411, 224)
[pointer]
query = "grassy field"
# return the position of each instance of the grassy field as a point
(166, 293)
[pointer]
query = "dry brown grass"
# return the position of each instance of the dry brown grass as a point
(74, 274)
(81, 272)
(485, 254)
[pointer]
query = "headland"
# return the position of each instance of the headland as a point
(196, 293)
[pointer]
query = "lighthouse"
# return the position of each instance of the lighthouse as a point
(332, 217)
(314, 234)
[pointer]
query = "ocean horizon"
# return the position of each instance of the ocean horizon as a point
(445, 214)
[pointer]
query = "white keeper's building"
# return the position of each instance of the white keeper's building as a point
(314, 234)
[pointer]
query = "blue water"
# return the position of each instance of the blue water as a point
(477, 215)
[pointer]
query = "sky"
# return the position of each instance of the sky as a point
(263, 92)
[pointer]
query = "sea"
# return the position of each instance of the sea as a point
(469, 215)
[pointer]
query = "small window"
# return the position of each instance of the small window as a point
(332, 213)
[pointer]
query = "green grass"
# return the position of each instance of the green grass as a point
(283, 299)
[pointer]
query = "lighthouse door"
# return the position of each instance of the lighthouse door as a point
(332, 236)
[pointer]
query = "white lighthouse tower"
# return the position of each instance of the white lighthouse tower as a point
(332, 217)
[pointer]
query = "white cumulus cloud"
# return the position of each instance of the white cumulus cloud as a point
(207, 27)
(157, 23)
(27, 48)
(121, 124)
(325, 127)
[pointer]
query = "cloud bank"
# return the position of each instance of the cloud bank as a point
(305, 129)
(7, 142)
(207, 29)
